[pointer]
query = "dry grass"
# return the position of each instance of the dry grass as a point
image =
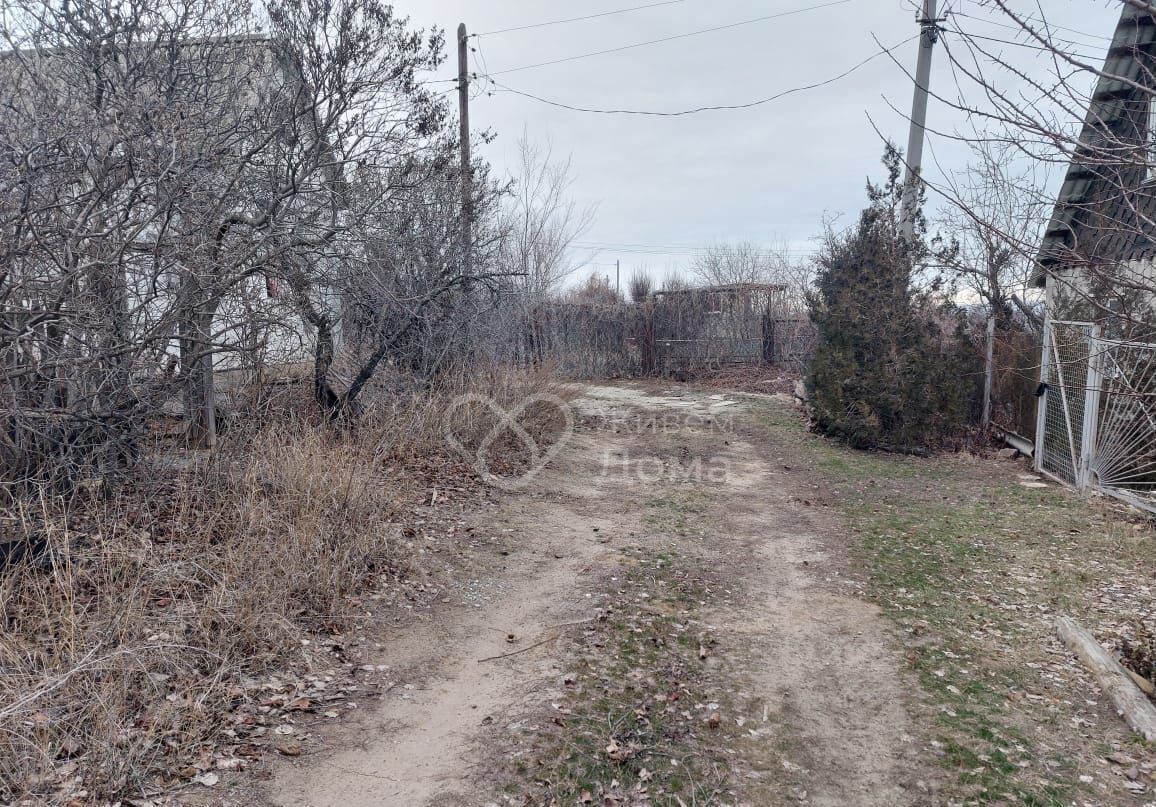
(129, 647)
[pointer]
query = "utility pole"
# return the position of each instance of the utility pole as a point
(464, 136)
(618, 277)
(914, 154)
(988, 374)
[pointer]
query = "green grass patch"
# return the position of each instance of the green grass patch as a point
(679, 510)
(635, 719)
(963, 560)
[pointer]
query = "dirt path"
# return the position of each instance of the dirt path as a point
(816, 656)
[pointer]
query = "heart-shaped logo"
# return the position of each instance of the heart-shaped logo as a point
(509, 421)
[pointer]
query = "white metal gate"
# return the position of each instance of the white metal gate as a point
(1097, 419)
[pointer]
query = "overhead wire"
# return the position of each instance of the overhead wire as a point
(660, 249)
(1025, 45)
(711, 108)
(598, 15)
(1047, 27)
(480, 60)
(673, 38)
(666, 250)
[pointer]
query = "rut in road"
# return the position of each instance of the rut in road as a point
(818, 656)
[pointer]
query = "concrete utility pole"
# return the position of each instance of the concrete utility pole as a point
(988, 374)
(618, 277)
(464, 136)
(914, 155)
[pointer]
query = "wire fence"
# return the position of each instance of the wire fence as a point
(1016, 377)
(694, 330)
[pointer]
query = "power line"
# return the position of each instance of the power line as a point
(671, 38)
(688, 251)
(1048, 28)
(480, 58)
(1027, 45)
(580, 19)
(714, 108)
(700, 248)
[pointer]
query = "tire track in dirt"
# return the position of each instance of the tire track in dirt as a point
(419, 748)
(819, 658)
(824, 660)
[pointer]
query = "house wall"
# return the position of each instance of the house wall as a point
(1123, 293)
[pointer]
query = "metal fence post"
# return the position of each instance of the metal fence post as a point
(1088, 433)
(1042, 406)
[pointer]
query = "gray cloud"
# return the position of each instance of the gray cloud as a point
(765, 175)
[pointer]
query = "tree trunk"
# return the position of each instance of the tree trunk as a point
(323, 393)
(200, 386)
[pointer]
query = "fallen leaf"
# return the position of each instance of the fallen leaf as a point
(208, 779)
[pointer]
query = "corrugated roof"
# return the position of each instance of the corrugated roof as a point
(1115, 90)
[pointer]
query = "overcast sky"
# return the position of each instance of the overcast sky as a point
(767, 175)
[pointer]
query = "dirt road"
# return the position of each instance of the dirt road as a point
(818, 713)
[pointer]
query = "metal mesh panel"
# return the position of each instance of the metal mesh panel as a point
(1064, 405)
(1125, 457)
(1122, 459)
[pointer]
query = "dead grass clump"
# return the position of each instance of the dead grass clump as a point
(491, 419)
(123, 648)
(133, 644)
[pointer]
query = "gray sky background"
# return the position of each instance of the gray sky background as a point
(767, 175)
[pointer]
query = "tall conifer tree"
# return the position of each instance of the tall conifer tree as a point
(890, 369)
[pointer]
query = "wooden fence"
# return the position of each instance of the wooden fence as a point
(689, 330)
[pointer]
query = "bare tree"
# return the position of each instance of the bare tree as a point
(729, 264)
(156, 161)
(1086, 107)
(123, 128)
(675, 280)
(641, 286)
(407, 298)
(1000, 206)
(596, 289)
(536, 223)
(541, 220)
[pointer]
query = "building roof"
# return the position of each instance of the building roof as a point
(1119, 90)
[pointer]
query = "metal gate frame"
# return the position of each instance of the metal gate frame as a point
(1076, 443)
(1063, 431)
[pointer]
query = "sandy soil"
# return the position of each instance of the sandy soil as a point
(821, 658)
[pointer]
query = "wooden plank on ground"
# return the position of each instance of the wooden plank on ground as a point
(1132, 704)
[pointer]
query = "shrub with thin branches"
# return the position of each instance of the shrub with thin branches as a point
(132, 628)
